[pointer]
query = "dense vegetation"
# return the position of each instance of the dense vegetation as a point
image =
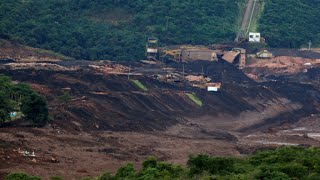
(21, 100)
(290, 23)
(116, 29)
(281, 164)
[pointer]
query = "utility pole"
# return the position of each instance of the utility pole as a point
(310, 43)
(202, 72)
(129, 72)
(183, 71)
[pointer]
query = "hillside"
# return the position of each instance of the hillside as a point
(116, 30)
(115, 120)
(16, 52)
(290, 23)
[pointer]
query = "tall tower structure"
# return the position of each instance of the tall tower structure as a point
(152, 48)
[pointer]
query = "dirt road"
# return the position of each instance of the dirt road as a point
(246, 18)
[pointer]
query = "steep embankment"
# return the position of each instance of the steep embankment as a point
(116, 30)
(115, 103)
(112, 102)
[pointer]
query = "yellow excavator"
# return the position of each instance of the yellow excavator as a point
(174, 54)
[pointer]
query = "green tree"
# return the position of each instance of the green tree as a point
(5, 107)
(116, 30)
(126, 172)
(35, 109)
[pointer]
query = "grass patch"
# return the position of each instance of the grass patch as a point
(140, 85)
(194, 98)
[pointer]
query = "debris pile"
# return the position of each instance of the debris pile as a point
(37, 66)
(111, 68)
(193, 78)
(283, 65)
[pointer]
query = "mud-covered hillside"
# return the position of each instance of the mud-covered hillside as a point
(117, 113)
(102, 101)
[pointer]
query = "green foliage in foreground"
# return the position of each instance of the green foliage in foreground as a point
(290, 23)
(20, 176)
(194, 98)
(21, 98)
(140, 85)
(284, 163)
(116, 30)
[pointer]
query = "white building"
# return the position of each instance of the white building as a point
(213, 87)
(254, 37)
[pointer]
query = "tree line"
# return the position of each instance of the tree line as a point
(116, 29)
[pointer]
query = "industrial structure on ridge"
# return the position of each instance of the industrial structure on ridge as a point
(187, 53)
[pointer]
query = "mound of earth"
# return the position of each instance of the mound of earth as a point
(282, 65)
(16, 52)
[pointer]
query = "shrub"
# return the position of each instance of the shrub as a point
(126, 172)
(20, 176)
(106, 176)
(65, 98)
(151, 162)
(213, 165)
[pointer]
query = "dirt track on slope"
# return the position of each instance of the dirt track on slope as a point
(246, 18)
